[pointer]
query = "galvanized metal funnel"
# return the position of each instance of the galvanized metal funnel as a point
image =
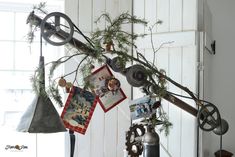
(41, 116)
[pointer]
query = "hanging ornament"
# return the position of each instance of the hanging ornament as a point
(62, 82)
(108, 46)
(112, 84)
(68, 86)
(156, 105)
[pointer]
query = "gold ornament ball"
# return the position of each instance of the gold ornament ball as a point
(62, 82)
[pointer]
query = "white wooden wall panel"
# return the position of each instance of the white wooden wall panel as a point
(189, 78)
(150, 14)
(98, 9)
(123, 126)
(177, 38)
(180, 63)
(72, 11)
(85, 15)
(112, 7)
(97, 133)
(163, 11)
(175, 15)
(97, 140)
(110, 118)
(162, 58)
(139, 12)
(125, 6)
(175, 72)
(189, 14)
(110, 133)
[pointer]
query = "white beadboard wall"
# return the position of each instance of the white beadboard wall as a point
(105, 136)
(179, 59)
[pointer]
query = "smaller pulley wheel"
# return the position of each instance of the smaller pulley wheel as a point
(117, 65)
(133, 140)
(57, 28)
(208, 117)
(136, 75)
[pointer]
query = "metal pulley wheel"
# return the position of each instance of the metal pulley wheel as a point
(116, 64)
(136, 75)
(208, 117)
(133, 140)
(222, 128)
(57, 28)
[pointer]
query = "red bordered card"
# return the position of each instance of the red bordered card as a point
(107, 99)
(78, 109)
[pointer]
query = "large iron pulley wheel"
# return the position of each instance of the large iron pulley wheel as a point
(208, 117)
(57, 28)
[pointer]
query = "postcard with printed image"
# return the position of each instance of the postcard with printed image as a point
(106, 87)
(141, 108)
(78, 109)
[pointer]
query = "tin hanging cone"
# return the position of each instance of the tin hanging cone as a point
(41, 116)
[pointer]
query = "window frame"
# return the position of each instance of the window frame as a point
(40, 145)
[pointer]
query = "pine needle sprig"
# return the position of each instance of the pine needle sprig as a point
(54, 93)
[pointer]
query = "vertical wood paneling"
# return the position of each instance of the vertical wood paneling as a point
(110, 133)
(83, 146)
(150, 14)
(175, 72)
(85, 15)
(163, 15)
(126, 6)
(149, 55)
(112, 7)
(189, 14)
(97, 133)
(189, 76)
(113, 136)
(98, 9)
(72, 10)
(139, 12)
(175, 15)
(123, 126)
(163, 152)
(97, 122)
(162, 59)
